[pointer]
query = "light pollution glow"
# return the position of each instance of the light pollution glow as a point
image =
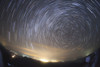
(45, 53)
(46, 60)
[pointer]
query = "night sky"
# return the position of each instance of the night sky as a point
(60, 32)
